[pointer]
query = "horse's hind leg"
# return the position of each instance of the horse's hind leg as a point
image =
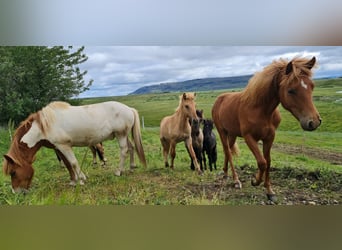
(123, 153)
(227, 145)
(131, 154)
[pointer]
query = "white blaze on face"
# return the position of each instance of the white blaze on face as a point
(304, 85)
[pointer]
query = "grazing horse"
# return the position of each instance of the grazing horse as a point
(197, 141)
(253, 114)
(209, 144)
(97, 149)
(61, 126)
(176, 128)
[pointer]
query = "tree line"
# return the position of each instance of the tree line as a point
(33, 76)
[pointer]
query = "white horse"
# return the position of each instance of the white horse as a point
(62, 126)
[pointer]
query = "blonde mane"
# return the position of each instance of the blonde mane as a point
(258, 87)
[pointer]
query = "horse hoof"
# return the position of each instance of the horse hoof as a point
(200, 172)
(81, 182)
(238, 185)
(72, 183)
(117, 172)
(254, 181)
(272, 198)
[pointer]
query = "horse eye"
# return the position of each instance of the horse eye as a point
(12, 173)
(187, 106)
(291, 91)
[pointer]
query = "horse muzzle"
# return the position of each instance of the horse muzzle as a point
(310, 124)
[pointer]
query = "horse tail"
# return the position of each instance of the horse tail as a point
(136, 133)
(235, 149)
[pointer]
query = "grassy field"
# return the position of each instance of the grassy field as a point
(306, 166)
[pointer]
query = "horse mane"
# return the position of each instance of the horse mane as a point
(258, 87)
(17, 148)
(186, 96)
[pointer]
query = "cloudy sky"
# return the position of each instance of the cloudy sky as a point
(119, 70)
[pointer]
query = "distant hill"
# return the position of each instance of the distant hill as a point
(204, 84)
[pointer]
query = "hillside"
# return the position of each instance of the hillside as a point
(204, 84)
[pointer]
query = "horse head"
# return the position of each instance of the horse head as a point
(21, 173)
(295, 93)
(208, 125)
(188, 105)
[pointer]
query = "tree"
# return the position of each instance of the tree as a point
(33, 76)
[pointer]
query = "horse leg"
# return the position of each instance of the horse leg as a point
(71, 171)
(131, 154)
(267, 154)
(226, 151)
(204, 159)
(192, 166)
(100, 152)
(172, 153)
(72, 163)
(237, 183)
(210, 161)
(123, 153)
(188, 143)
(166, 149)
(253, 146)
(199, 157)
(93, 151)
(229, 158)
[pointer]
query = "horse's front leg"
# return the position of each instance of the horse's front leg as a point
(267, 155)
(71, 163)
(172, 153)
(264, 162)
(166, 149)
(188, 143)
(253, 146)
(93, 151)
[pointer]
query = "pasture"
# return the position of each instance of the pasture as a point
(306, 166)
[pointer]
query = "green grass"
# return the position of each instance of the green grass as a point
(160, 186)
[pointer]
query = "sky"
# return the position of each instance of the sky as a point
(120, 70)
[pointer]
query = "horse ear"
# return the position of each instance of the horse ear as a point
(311, 63)
(289, 68)
(9, 159)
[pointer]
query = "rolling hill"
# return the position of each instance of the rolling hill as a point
(204, 84)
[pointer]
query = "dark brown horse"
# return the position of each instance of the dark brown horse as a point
(253, 114)
(209, 144)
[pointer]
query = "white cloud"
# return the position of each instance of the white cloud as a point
(119, 70)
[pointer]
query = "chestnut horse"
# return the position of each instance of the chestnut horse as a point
(61, 126)
(176, 128)
(253, 114)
